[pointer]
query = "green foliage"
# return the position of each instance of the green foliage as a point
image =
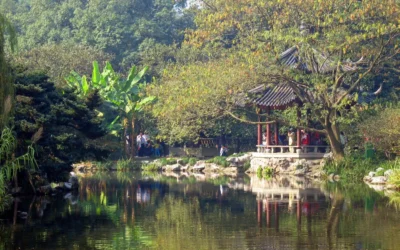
(259, 172)
(246, 166)
(185, 160)
(394, 179)
(189, 160)
(11, 164)
(192, 161)
(352, 168)
(382, 130)
(220, 161)
(267, 173)
(248, 37)
(136, 32)
(69, 126)
(103, 166)
(126, 164)
(6, 85)
(59, 60)
(126, 95)
(152, 167)
(395, 197)
(196, 97)
(167, 161)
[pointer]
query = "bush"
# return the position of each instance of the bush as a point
(395, 178)
(103, 166)
(185, 160)
(192, 161)
(219, 160)
(267, 172)
(126, 164)
(353, 168)
(259, 172)
(151, 167)
(246, 165)
(167, 161)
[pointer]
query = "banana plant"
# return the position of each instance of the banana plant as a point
(125, 94)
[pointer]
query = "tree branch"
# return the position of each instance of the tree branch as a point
(323, 131)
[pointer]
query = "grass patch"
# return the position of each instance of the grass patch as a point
(127, 164)
(103, 166)
(152, 167)
(353, 168)
(394, 179)
(265, 173)
(220, 161)
(167, 161)
(192, 161)
(246, 166)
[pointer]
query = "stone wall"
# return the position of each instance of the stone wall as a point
(297, 167)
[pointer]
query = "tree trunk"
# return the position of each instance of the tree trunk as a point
(133, 136)
(126, 146)
(334, 142)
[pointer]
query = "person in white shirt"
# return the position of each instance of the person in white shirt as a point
(141, 143)
(223, 151)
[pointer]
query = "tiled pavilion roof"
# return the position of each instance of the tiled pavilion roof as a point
(279, 96)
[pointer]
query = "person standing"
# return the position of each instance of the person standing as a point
(291, 140)
(141, 143)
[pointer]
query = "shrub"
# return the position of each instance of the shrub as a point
(259, 172)
(267, 172)
(219, 160)
(103, 166)
(152, 167)
(352, 168)
(380, 172)
(171, 161)
(127, 164)
(395, 178)
(246, 165)
(185, 160)
(192, 161)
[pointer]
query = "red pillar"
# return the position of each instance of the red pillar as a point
(298, 211)
(267, 214)
(259, 208)
(259, 131)
(268, 132)
(276, 134)
(276, 216)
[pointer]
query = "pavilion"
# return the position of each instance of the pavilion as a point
(281, 95)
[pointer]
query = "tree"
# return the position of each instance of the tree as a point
(337, 47)
(127, 95)
(382, 130)
(69, 127)
(59, 60)
(118, 27)
(6, 86)
(195, 97)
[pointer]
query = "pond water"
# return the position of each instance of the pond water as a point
(138, 211)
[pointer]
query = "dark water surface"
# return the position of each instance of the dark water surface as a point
(138, 211)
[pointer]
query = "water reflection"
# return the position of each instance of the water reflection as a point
(141, 211)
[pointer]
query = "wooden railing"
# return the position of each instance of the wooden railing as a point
(292, 149)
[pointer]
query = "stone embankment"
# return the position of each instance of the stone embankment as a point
(236, 165)
(289, 166)
(379, 179)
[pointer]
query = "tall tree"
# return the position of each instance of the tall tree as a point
(335, 47)
(122, 28)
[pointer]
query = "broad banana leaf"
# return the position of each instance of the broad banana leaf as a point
(96, 74)
(139, 106)
(85, 86)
